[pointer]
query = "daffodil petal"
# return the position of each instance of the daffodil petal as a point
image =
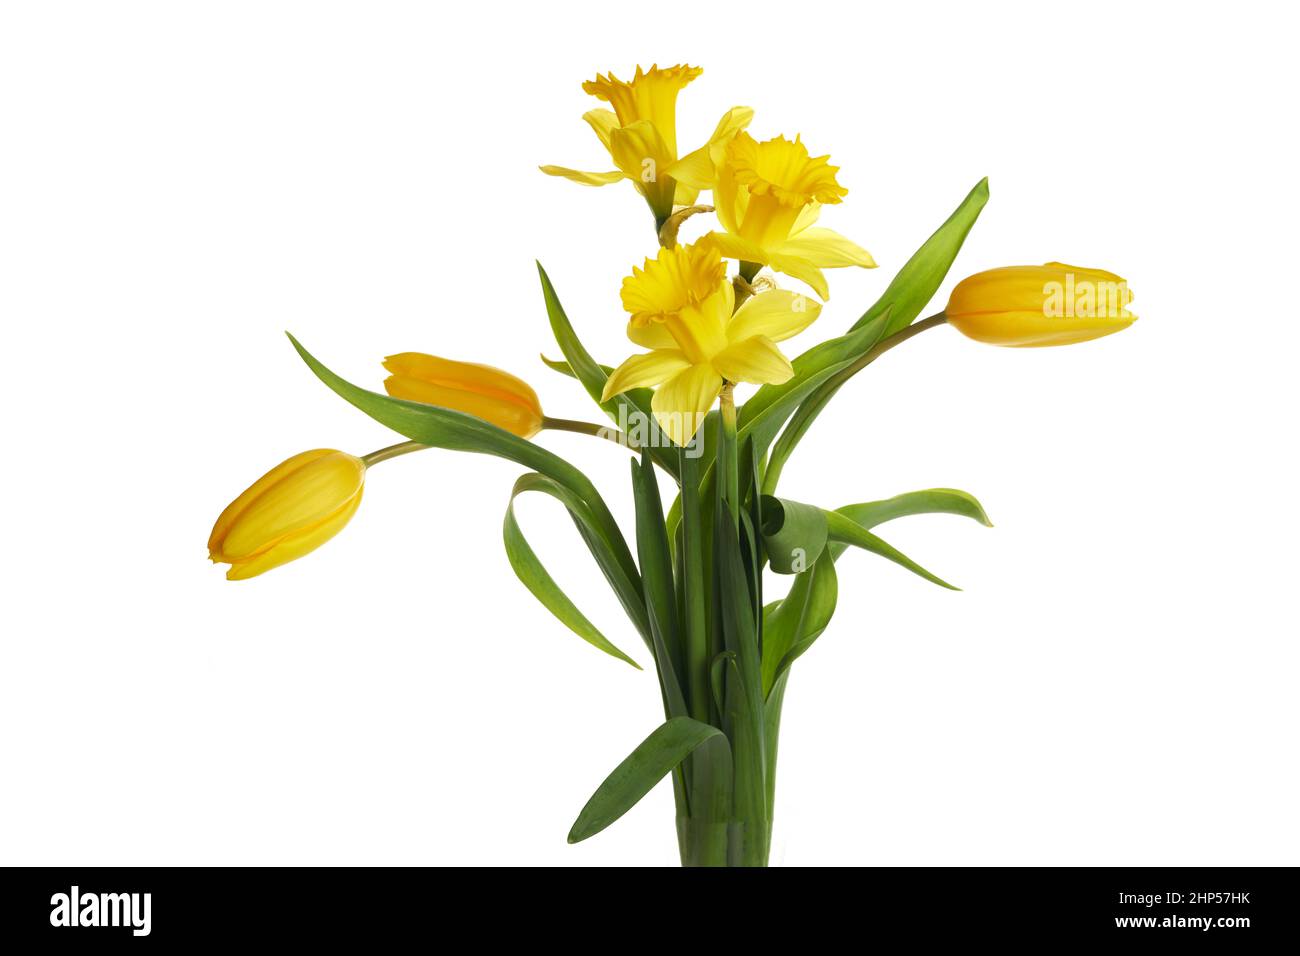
(698, 169)
(733, 247)
(807, 216)
(587, 179)
(680, 404)
(603, 122)
(650, 335)
(827, 249)
(778, 314)
(755, 359)
(684, 195)
(799, 268)
(642, 370)
(640, 151)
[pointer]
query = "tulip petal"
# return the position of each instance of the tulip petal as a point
(294, 505)
(778, 314)
(293, 548)
(756, 360)
(518, 417)
(228, 517)
(680, 404)
(587, 179)
(827, 249)
(472, 376)
(640, 371)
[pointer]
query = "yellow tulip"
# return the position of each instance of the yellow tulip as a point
(291, 510)
(768, 196)
(681, 306)
(640, 134)
(479, 390)
(1052, 304)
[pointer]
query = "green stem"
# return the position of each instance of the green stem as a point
(728, 453)
(695, 611)
(590, 428)
(811, 407)
(392, 451)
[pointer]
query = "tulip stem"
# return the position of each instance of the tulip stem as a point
(590, 428)
(392, 451)
(898, 338)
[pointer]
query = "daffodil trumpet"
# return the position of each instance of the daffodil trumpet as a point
(714, 400)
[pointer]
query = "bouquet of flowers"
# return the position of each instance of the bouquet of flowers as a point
(708, 318)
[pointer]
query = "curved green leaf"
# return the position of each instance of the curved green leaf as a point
(536, 578)
(913, 287)
(795, 534)
(921, 276)
(844, 530)
(624, 408)
(636, 776)
(931, 501)
(791, 625)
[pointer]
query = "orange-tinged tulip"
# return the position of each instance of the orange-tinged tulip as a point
(479, 390)
(1052, 304)
(291, 510)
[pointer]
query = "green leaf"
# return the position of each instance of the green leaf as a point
(791, 625)
(743, 717)
(444, 428)
(844, 530)
(913, 287)
(772, 731)
(536, 578)
(636, 776)
(931, 501)
(657, 581)
(795, 534)
(625, 409)
(921, 276)
(694, 591)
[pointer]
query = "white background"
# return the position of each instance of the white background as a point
(181, 182)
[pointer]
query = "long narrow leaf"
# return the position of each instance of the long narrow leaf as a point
(535, 577)
(624, 408)
(657, 581)
(845, 531)
(636, 776)
(444, 428)
(913, 287)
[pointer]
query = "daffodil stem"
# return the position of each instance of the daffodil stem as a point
(392, 451)
(729, 453)
(743, 291)
(590, 428)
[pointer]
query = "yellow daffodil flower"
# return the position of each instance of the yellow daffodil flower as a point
(681, 306)
(291, 510)
(479, 390)
(1052, 304)
(768, 196)
(640, 134)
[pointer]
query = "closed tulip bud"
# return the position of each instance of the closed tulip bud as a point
(479, 390)
(294, 508)
(1053, 304)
